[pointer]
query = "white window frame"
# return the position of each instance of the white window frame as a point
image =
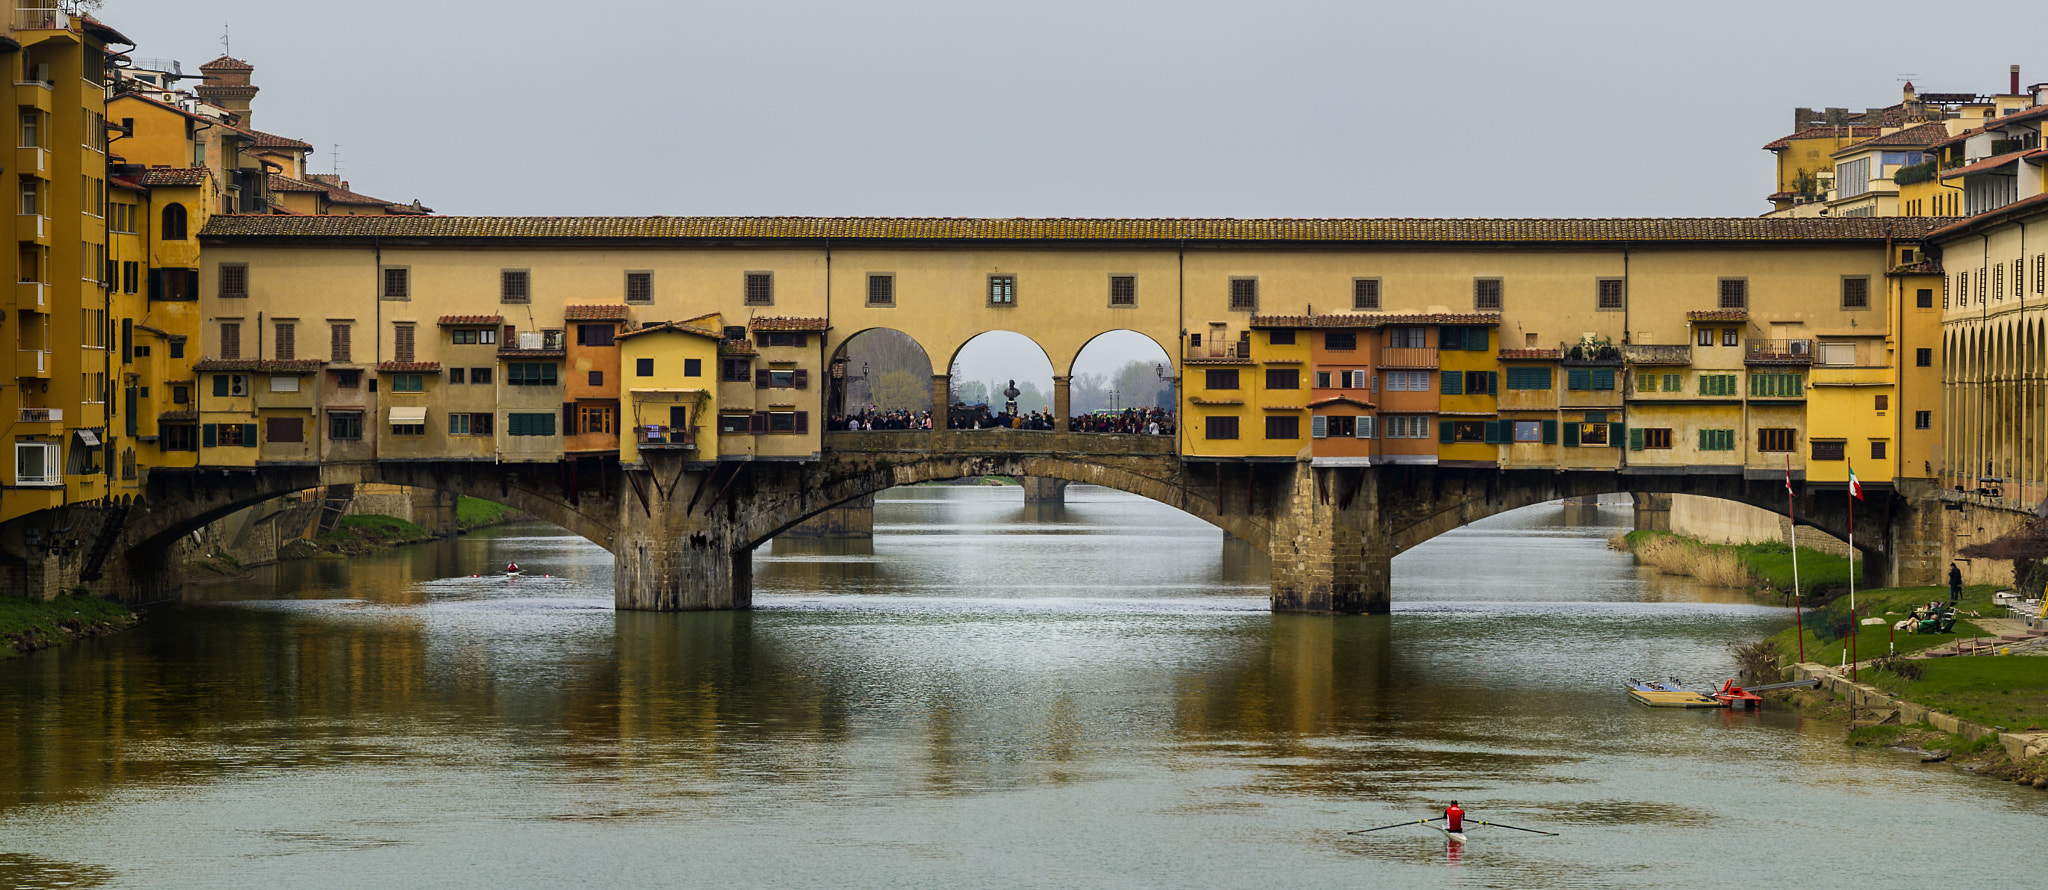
(53, 463)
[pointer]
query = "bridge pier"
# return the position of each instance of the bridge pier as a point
(675, 550)
(1653, 511)
(853, 519)
(1040, 490)
(1062, 404)
(1330, 553)
(942, 398)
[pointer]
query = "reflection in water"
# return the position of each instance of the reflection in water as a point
(984, 694)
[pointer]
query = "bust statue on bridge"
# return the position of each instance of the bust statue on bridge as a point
(1011, 394)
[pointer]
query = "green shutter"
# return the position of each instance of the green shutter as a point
(1445, 431)
(1453, 383)
(1550, 432)
(1571, 435)
(547, 378)
(220, 385)
(547, 422)
(156, 284)
(1703, 441)
(1603, 378)
(1671, 383)
(1578, 379)
(1493, 435)
(1596, 417)
(1493, 383)
(1635, 439)
(209, 435)
(191, 286)
(249, 434)
(1615, 432)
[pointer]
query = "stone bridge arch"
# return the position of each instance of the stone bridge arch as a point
(176, 503)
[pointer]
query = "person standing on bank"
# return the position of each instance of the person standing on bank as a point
(1955, 584)
(1454, 817)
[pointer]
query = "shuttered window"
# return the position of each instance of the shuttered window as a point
(1286, 426)
(230, 340)
(1220, 428)
(284, 429)
(338, 346)
(1283, 378)
(1220, 378)
(287, 341)
(1528, 378)
(401, 342)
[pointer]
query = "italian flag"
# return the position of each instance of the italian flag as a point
(1855, 487)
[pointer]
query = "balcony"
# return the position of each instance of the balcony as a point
(1849, 354)
(32, 227)
(656, 437)
(29, 159)
(1677, 354)
(1225, 353)
(1409, 357)
(42, 415)
(31, 295)
(42, 19)
(1592, 355)
(32, 363)
(1777, 352)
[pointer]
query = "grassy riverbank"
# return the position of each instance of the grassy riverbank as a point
(479, 513)
(27, 625)
(1826, 628)
(1758, 567)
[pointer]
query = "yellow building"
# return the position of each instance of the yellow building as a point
(670, 399)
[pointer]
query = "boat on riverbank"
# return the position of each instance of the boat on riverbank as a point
(1669, 695)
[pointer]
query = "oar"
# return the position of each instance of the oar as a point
(1397, 825)
(1517, 828)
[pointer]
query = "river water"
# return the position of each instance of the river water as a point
(986, 695)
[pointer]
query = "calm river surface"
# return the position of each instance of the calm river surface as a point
(985, 696)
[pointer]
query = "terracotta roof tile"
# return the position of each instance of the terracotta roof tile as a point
(1532, 355)
(1341, 400)
(1717, 315)
(272, 140)
(267, 366)
(177, 416)
(516, 353)
(408, 367)
(737, 347)
(2030, 115)
(1921, 136)
(280, 183)
(471, 319)
(227, 63)
(936, 229)
(602, 312)
(1852, 132)
(680, 328)
(786, 323)
(174, 176)
(1991, 163)
(1218, 360)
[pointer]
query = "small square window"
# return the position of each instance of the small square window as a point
(1002, 290)
(1244, 295)
(455, 375)
(1608, 295)
(1924, 298)
(1884, 402)
(1734, 293)
(1923, 358)
(881, 290)
(234, 280)
(1123, 290)
(397, 283)
(515, 286)
(693, 367)
(1486, 294)
(597, 378)
(1877, 449)
(643, 367)
(1365, 294)
(1923, 420)
(1731, 336)
(760, 289)
(639, 287)
(1856, 292)
(1706, 336)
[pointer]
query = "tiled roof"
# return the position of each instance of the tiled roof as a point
(1532, 355)
(1205, 400)
(1822, 133)
(1991, 216)
(1991, 163)
(1218, 360)
(1251, 230)
(1372, 320)
(177, 416)
(268, 366)
(1914, 137)
(146, 99)
(1717, 315)
(2018, 117)
(280, 183)
(1340, 400)
(786, 323)
(470, 319)
(408, 367)
(737, 347)
(515, 352)
(227, 63)
(595, 313)
(272, 140)
(174, 176)
(677, 327)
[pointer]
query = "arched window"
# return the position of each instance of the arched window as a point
(174, 222)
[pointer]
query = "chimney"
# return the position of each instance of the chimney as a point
(227, 85)
(2015, 71)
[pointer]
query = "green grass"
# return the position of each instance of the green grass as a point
(1818, 572)
(476, 512)
(1994, 690)
(1872, 642)
(45, 619)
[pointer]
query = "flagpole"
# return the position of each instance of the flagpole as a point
(1798, 621)
(1855, 629)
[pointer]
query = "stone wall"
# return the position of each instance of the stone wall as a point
(1718, 521)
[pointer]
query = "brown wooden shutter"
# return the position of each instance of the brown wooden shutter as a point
(801, 378)
(285, 429)
(287, 341)
(761, 379)
(758, 423)
(401, 342)
(338, 346)
(230, 340)
(803, 421)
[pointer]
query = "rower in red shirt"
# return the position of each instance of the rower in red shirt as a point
(1455, 817)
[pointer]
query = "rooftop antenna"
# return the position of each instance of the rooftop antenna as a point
(334, 159)
(224, 40)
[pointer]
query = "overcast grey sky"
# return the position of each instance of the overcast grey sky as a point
(1065, 108)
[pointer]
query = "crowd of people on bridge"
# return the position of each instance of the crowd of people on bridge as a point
(962, 416)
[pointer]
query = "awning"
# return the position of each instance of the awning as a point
(408, 415)
(88, 437)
